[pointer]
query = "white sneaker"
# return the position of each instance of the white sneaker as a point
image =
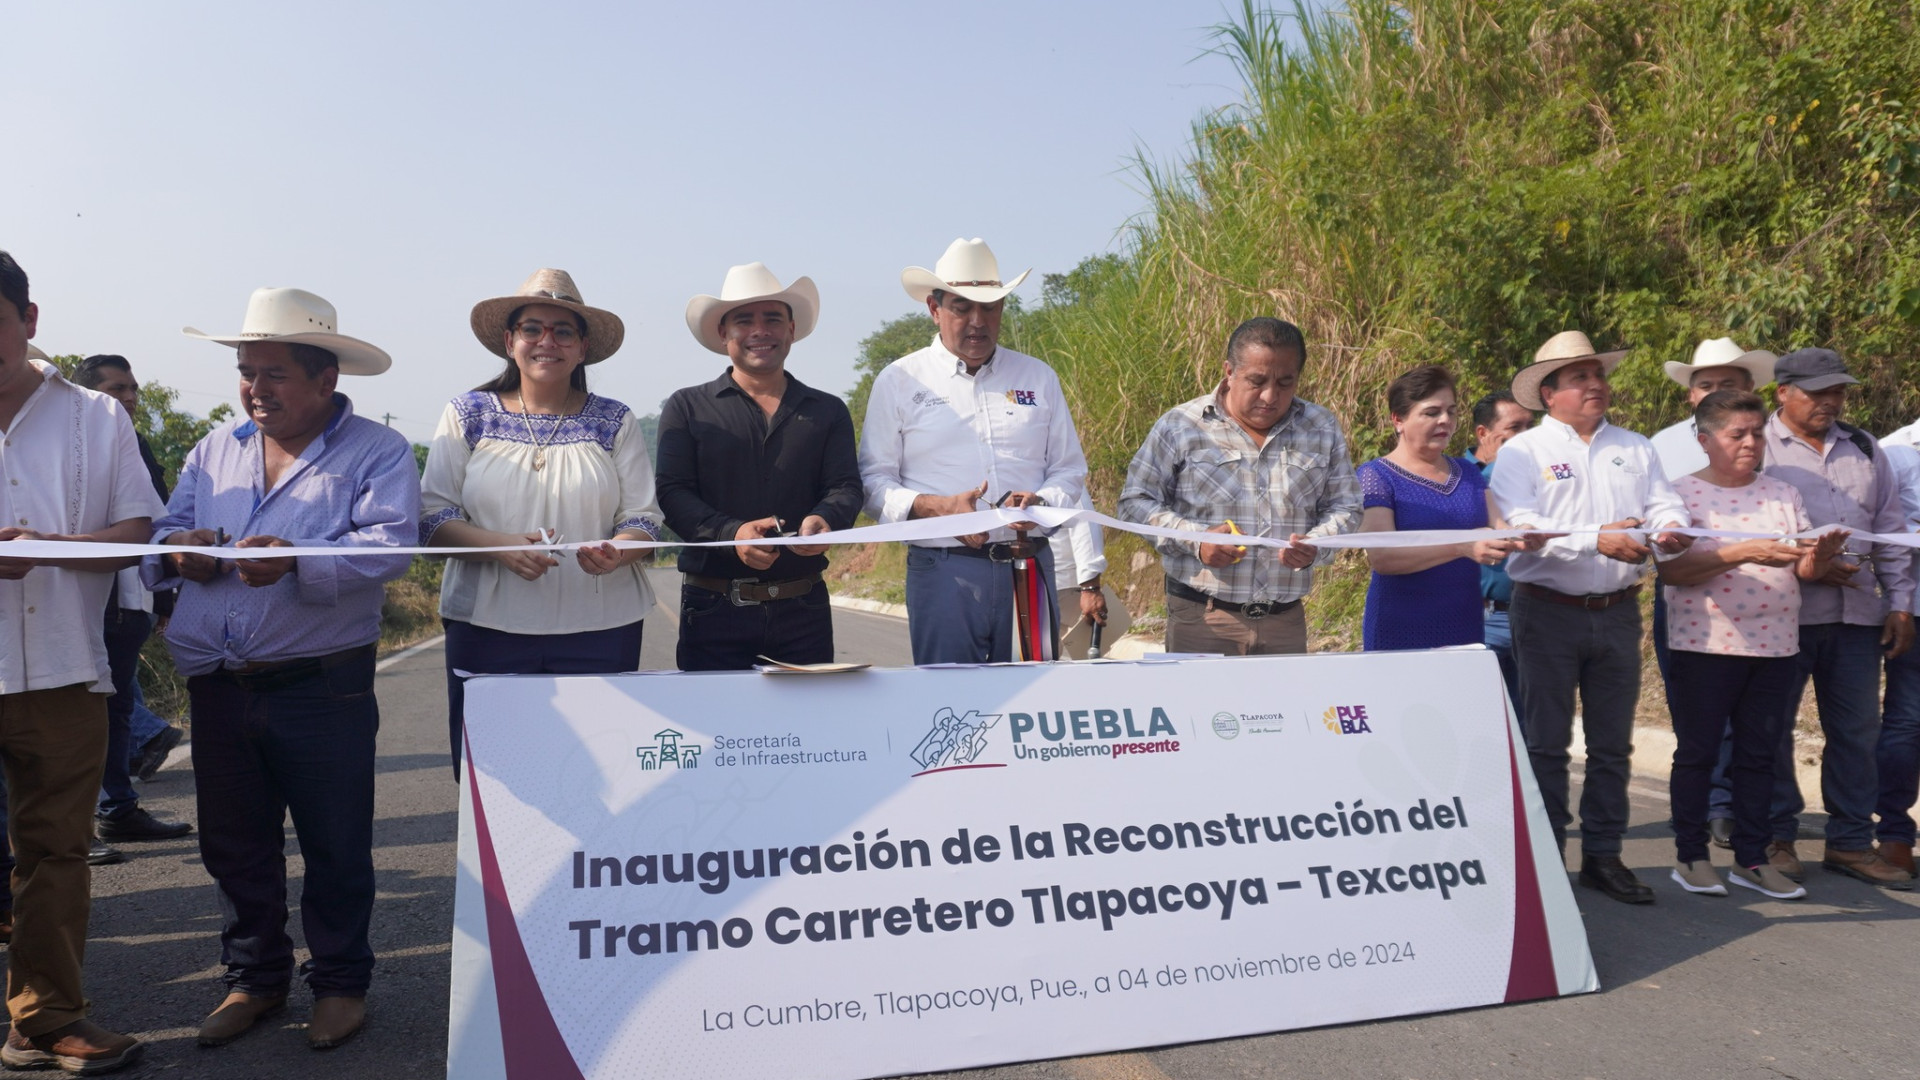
(1766, 880)
(1698, 877)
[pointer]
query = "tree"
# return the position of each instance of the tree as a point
(169, 431)
(895, 339)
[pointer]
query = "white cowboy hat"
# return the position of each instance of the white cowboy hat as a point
(1566, 347)
(298, 317)
(34, 353)
(605, 331)
(967, 269)
(1722, 352)
(746, 285)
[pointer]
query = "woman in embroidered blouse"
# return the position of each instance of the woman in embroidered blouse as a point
(1426, 597)
(530, 452)
(1733, 634)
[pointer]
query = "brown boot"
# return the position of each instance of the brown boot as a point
(1782, 857)
(237, 1015)
(82, 1047)
(1899, 854)
(335, 1020)
(1869, 867)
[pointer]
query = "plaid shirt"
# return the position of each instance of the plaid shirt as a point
(1199, 468)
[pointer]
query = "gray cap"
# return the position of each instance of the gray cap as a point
(1812, 369)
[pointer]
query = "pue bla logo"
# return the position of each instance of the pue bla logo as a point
(1023, 397)
(954, 741)
(1346, 719)
(1560, 472)
(668, 750)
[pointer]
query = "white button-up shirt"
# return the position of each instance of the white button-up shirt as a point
(68, 464)
(933, 429)
(1678, 448)
(1551, 480)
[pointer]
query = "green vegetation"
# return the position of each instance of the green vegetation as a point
(1448, 181)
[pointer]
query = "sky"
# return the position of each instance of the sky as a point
(406, 161)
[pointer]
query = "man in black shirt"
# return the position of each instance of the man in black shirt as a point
(755, 453)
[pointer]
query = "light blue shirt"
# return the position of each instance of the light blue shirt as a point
(355, 485)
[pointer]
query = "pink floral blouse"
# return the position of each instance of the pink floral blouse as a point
(1749, 610)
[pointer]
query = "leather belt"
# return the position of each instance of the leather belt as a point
(1592, 602)
(747, 592)
(1006, 551)
(264, 678)
(1253, 609)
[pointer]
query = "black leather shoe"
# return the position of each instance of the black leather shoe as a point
(137, 824)
(1611, 876)
(154, 753)
(102, 855)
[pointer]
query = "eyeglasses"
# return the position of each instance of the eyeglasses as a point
(532, 330)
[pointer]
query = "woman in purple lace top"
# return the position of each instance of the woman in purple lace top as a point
(1426, 597)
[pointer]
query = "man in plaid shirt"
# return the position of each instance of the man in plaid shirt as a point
(1248, 457)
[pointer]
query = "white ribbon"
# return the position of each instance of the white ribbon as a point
(979, 521)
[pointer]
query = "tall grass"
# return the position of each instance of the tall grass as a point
(1454, 181)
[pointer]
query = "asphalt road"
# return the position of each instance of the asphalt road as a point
(1692, 986)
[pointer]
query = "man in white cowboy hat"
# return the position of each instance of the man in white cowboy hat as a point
(1718, 364)
(1850, 621)
(755, 453)
(956, 427)
(1576, 618)
(279, 652)
(73, 473)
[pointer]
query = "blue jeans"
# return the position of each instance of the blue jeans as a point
(1844, 663)
(960, 607)
(126, 629)
(1898, 756)
(144, 724)
(1498, 634)
(482, 650)
(260, 753)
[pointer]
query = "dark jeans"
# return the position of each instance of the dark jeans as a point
(1561, 650)
(1708, 693)
(1497, 631)
(1844, 663)
(306, 747)
(479, 650)
(1898, 755)
(1720, 793)
(960, 607)
(715, 635)
(126, 631)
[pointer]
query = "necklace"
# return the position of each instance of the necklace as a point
(540, 444)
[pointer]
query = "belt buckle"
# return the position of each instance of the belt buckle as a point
(1258, 609)
(1001, 552)
(734, 597)
(1596, 601)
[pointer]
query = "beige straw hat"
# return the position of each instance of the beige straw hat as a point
(34, 353)
(1562, 349)
(751, 284)
(298, 317)
(967, 269)
(605, 331)
(1722, 352)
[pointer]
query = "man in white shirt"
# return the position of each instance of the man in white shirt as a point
(958, 426)
(1718, 364)
(1897, 755)
(72, 473)
(1576, 618)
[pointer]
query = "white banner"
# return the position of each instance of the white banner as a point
(905, 870)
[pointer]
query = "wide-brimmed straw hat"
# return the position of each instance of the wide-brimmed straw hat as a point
(298, 317)
(34, 353)
(1722, 352)
(605, 331)
(751, 284)
(1562, 349)
(967, 269)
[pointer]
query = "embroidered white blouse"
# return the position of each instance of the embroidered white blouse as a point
(597, 480)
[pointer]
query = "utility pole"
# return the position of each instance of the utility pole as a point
(387, 418)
